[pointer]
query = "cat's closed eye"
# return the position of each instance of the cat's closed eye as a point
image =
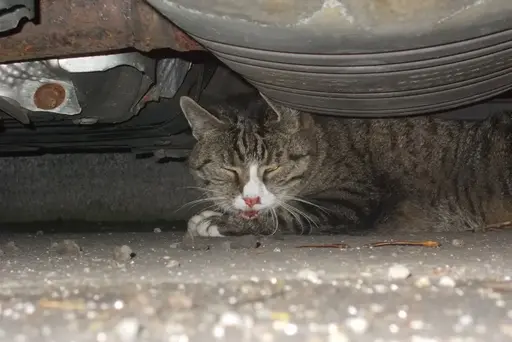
(230, 170)
(268, 171)
(271, 169)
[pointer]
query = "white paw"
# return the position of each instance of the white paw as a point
(200, 225)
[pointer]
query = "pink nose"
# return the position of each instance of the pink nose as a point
(252, 201)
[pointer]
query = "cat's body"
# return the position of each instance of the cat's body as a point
(287, 170)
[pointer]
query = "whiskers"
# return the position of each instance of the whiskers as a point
(275, 219)
(196, 202)
(299, 216)
(206, 198)
(301, 200)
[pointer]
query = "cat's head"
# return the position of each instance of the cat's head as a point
(249, 167)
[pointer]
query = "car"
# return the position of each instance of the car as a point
(107, 75)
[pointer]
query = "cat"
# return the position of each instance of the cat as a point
(284, 170)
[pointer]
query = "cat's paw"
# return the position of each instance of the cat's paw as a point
(203, 225)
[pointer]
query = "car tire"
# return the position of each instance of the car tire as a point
(361, 58)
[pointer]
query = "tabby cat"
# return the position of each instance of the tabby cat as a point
(286, 170)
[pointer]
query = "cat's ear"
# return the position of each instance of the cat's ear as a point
(284, 117)
(201, 121)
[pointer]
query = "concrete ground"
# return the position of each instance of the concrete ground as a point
(87, 287)
(83, 281)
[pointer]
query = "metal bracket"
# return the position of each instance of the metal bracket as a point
(46, 85)
(38, 86)
(13, 11)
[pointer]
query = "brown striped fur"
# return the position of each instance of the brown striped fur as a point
(403, 174)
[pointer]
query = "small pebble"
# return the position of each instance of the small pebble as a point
(458, 243)
(380, 288)
(337, 336)
(123, 253)
(423, 282)
(277, 250)
(417, 324)
(290, 329)
(230, 319)
(39, 232)
(66, 247)
(157, 230)
(101, 337)
(173, 263)
(358, 325)
(309, 275)
(466, 320)
(446, 281)
(174, 245)
(128, 329)
(118, 304)
(376, 308)
(398, 272)
(393, 328)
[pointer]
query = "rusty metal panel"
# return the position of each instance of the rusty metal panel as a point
(72, 27)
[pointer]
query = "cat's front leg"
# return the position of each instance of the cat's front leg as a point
(203, 224)
(210, 223)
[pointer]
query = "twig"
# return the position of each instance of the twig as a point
(62, 305)
(499, 225)
(428, 243)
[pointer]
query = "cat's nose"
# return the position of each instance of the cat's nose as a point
(252, 201)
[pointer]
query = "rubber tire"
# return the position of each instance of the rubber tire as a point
(362, 58)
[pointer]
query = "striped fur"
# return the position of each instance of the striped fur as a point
(355, 175)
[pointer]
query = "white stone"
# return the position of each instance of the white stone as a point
(398, 272)
(358, 325)
(447, 281)
(128, 329)
(309, 275)
(423, 282)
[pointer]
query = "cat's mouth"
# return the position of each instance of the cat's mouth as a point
(249, 214)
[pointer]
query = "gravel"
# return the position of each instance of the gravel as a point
(66, 247)
(172, 293)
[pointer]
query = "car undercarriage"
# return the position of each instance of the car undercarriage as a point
(103, 75)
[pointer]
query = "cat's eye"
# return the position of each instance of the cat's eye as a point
(271, 169)
(231, 170)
